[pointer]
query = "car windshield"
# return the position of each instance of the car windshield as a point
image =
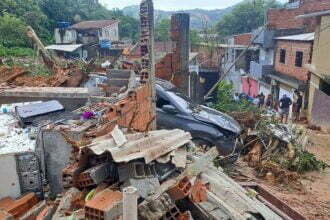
(183, 101)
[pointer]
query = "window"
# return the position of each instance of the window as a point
(282, 56)
(161, 102)
(325, 87)
(299, 58)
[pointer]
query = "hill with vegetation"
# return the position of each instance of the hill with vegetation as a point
(199, 17)
(43, 16)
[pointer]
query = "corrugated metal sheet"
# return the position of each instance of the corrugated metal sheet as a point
(93, 24)
(65, 48)
(148, 146)
(298, 37)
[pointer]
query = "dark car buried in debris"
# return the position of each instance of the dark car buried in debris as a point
(207, 126)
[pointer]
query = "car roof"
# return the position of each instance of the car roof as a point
(167, 85)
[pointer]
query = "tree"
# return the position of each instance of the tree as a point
(162, 30)
(245, 17)
(12, 31)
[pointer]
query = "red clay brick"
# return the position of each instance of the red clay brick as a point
(20, 206)
(180, 190)
(289, 68)
(198, 192)
(242, 39)
(286, 18)
(44, 212)
(102, 204)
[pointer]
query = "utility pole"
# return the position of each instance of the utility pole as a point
(147, 53)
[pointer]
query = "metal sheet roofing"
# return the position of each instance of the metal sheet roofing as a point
(65, 48)
(140, 145)
(298, 37)
(93, 24)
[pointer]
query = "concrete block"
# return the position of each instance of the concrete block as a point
(156, 209)
(95, 175)
(29, 173)
(56, 153)
(172, 214)
(136, 170)
(27, 162)
(145, 186)
(10, 183)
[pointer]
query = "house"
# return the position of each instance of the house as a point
(263, 65)
(280, 22)
(86, 39)
(96, 31)
(237, 66)
(292, 53)
(286, 18)
(319, 87)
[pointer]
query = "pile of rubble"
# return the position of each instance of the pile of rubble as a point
(279, 152)
(114, 172)
(103, 162)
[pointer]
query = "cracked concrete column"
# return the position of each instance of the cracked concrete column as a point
(130, 196)
(147, 74)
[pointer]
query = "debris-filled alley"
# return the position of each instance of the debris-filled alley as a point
(180, 127)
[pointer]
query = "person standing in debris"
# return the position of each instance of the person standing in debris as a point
(285, 104)
(256, 100)
(236, 97)
(269, 102)
(297, 104)
(261, 100)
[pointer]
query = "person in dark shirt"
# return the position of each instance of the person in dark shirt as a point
(285, 103)
(269, 102)
(297, 104)
(261, 100)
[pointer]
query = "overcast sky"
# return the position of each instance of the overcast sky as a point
(174, 4)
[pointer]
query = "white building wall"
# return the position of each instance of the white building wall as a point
(266, 90)
(110, 33)
(70, 36)
(266, 56)
(9, 185)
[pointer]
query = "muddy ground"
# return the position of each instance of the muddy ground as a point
(312, 199)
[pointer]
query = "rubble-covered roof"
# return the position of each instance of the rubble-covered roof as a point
(14, 139)
(298, 37)
(93, 24)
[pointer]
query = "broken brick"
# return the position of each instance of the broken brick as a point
(105, 205)
(20, 206)
(5, 215)
(181, 189)
(199, 192)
